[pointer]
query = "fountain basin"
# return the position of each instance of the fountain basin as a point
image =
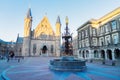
(67, 64)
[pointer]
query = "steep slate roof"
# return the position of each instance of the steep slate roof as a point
(19, 40)
(58, 20)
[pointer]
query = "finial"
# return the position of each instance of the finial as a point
(66, 19)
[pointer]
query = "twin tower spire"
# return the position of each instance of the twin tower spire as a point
(28, 24)
(29, 15)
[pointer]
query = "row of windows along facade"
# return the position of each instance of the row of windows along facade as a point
(100, 42)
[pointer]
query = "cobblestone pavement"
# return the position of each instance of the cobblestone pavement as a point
(37, 68)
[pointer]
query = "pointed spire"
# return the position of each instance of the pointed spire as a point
(58, 20)
(29, 14)
(17, 37)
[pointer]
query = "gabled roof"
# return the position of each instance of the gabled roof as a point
(44, 27)
(19, 40)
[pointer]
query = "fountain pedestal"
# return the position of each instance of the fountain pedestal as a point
(67, 63)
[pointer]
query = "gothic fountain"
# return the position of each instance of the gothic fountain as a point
(67, 62)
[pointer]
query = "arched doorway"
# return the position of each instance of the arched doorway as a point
(11, 54)
(117, 53)
(96, 55)
(103, 54)
(83, 54)
(87, 53)
(44, 49)
(109, 54)
(80, 53)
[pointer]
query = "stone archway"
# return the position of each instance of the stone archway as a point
(109, 54)
(80, 53)
(103, 54)
(11, 54)
(117, 53)
(83, 54)
(44, 49)
(96, 55)
(87, 53)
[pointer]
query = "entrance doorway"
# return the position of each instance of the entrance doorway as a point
(83, 54)
(44, 49)
(87, 53)
(80, 55)
(103, 54)
(96, 55)
(109, 54)
(117, 53)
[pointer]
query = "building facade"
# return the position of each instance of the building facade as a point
(42, 40)
(75, 46)
(18, 46)
(6, 48)
(100, 39)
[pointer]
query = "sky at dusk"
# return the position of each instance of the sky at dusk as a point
(13, 12)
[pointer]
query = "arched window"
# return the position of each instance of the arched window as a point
(117, 53)
(109, 54)
(103, 54)
(43, 36)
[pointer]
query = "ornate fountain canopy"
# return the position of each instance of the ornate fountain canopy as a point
(67, 40)
(67, 61)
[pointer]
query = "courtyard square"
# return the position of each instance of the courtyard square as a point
(37, 68)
